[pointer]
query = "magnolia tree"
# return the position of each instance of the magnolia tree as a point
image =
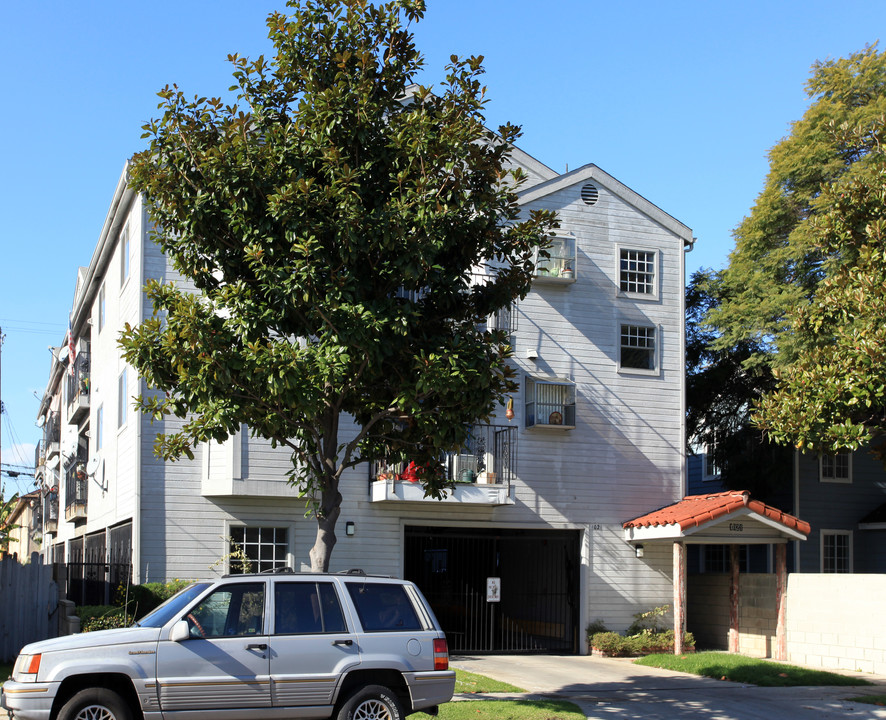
(347, 233)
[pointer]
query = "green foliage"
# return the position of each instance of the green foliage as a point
(102, 617)
(649, 620)
(6, 508)
(738, 668)
(145, 598)
(597, 626)
(641, 643)
(333, 223)
(468, 682)
(507, 710)
(796, 316)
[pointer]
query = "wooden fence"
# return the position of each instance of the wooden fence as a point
(28, 605)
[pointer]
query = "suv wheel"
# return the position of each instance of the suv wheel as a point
(95, 704)
(373, 702)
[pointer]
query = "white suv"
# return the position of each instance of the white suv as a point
(280, 645)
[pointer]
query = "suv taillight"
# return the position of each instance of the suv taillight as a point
(441, 654)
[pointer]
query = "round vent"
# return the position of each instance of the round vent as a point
(589, 194)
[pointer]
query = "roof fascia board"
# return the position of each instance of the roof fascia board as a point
(592, 172)
(123, 196)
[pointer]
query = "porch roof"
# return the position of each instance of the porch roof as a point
(717, 518)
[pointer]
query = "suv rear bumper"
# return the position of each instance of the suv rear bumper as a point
(430, 688)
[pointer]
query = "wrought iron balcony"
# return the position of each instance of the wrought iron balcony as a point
(79, 389)
(39, 458)
(76, 489)
(50, 511)
(51, 435)
(481, 472)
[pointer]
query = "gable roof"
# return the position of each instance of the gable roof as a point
(620, 190)
(703, 516)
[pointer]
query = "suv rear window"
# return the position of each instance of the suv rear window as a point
(383, 607)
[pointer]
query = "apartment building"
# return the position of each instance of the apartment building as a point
(527, 547)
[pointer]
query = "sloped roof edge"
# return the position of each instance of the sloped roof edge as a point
(617, 188)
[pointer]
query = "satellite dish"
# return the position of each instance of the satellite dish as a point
(53, 463)
(41, 421)
(63, 353)
(93, 465)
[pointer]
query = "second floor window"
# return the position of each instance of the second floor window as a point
(637, 348)
(121, 399)
(101, 308)
(560, 263)
(124, 255)
(836, 468)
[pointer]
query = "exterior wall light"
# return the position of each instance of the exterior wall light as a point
(638, 551)
(350, 529)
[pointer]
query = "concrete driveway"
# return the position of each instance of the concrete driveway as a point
(607, 689)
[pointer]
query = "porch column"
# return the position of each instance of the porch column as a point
(679, 596)
(781, 601)
(733, 599)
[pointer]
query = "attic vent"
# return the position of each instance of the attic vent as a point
(589, 194)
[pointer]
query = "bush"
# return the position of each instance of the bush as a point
(598, 626)
(101, 617)
(145, 598)
(644, 643)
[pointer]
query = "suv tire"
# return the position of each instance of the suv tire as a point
(95, 704)
(373, 702)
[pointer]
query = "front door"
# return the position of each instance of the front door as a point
(225, 663)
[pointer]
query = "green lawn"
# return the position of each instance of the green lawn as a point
(765, 673)
(468, 682)
(869, 699)
(507, 710)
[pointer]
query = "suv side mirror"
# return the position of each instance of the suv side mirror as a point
(179, 631)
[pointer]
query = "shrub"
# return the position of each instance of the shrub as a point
(651, 620)
(644, 643)
(598, 626)
(101, 617)
(145, 598)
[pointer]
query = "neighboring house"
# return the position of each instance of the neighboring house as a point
(843, 498)
(537, 504)
(26, 520)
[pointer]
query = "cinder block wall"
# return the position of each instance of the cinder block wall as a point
(707, 610)
(837, 621)
(757, 615)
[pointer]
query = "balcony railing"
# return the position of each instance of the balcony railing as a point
(480, 472)
(39, 458)
(78, 389)
(50, 511)
(51, 434)
(76, 490)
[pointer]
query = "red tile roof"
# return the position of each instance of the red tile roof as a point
(697, 510)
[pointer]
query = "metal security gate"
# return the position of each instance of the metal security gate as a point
(539, 573)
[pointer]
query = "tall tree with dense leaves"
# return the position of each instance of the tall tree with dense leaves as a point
(347, 233)
(721, 391)
(777, 264)
(832, 396)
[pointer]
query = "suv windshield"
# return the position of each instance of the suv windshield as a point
(172, 607)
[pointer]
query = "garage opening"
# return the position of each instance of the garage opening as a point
(499, 590)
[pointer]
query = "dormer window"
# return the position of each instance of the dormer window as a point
(559, 266)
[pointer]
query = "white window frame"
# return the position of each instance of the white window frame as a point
(560, 267)
(125, 268)
(828, 533)
(566, 409)
(825, 478)
(656, 274)
(230, 527)
(656, 349)
(122, 405)
(707, 465)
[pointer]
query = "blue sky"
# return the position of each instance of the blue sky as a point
(680, 101)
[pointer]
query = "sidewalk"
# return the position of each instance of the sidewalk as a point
(607, 688)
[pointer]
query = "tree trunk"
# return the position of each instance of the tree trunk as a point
(327, 516)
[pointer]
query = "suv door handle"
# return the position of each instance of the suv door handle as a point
(257, 646)
(343, 642)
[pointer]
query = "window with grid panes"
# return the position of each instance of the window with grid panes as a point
(637, 347)
(266, 547)
(836, 551)
(637, 272)
(836, 468)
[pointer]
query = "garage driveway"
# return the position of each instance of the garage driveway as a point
(606, 688)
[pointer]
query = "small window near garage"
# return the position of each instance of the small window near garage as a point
(637, 348)
(636, 273)
(550, 403)
(559, 266)
(836, 468)
(836, 551)
(257, 549)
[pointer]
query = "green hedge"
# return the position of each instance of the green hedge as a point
(141, 600)
(644, 643)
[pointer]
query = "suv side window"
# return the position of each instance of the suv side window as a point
(383, 607)
(304, 608)
(230, 611)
